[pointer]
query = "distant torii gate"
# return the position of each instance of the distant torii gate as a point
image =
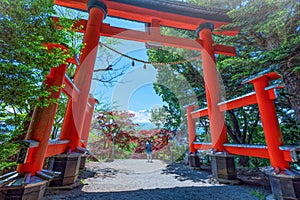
(78, 116)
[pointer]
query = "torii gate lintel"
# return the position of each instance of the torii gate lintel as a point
(169, 13)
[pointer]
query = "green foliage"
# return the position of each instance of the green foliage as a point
(173, 118)
(92, 137)
(181, 156)
(255, 163)
(25, 60)
(26, 28)
(269, 34)
(273, 29)
(218, 4)
(289, 127)
(177, 84)
(259, 194)
(158, 117)
(268, 41)
(60, 113)
(6, 151)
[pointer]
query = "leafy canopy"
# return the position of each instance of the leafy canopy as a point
(26, 26)
(25, 61)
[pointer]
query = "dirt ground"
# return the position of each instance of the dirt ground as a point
(135, 179)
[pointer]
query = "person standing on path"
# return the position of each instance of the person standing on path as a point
(149, 151)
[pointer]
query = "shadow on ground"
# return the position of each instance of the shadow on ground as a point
(184, 173)
(177, 193)
(181, 172)
(86, 174)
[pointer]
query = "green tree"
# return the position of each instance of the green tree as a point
(25, 61)
(268, 41)
(178, 84)
(243, 124)
(269, 34)
(159, 117)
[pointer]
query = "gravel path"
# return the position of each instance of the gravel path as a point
(136, 179)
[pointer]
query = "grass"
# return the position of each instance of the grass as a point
(258, 193)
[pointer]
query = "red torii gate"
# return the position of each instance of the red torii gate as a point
(80, 106)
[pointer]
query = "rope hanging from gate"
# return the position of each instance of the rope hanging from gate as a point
(148, 62)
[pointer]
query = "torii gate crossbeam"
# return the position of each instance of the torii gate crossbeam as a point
(170, 13)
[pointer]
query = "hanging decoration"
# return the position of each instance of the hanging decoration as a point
(168, 64)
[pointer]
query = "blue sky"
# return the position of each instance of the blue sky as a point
(144, 97)
(134, 90)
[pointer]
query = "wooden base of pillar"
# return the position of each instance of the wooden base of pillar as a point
(223, 167)
(82, 161)
(285, 187)
(34, 190)
(68, 165)
(194, 160)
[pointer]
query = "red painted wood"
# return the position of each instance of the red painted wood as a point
(248, 151)
(70, 89)
(202, 146)
(191, 128)
(211, 79)
(269, 120)
(225, 50)
(199, 113)
(153, 36)
(55, 149)
(141, 36)
(238, 102)
(258, 151)
(43, 119)
(87, 122)
(135, 13)
(75, 114)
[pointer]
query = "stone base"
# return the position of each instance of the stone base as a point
(223, 167)
(66, 187)
(32, 191)
(285, 187)
(68, 165)
(194, 160)
(82, 161)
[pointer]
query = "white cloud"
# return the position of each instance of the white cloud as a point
(141, 116)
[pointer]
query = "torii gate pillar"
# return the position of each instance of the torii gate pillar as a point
(75, 114)
(223, 166)
(212, 87)
(74, 124)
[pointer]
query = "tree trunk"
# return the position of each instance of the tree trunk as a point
(54, 133)
(291, 80)
(109, 150)
(244, 161)
(26, 124)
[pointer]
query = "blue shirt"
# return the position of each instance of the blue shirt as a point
(148, 147)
